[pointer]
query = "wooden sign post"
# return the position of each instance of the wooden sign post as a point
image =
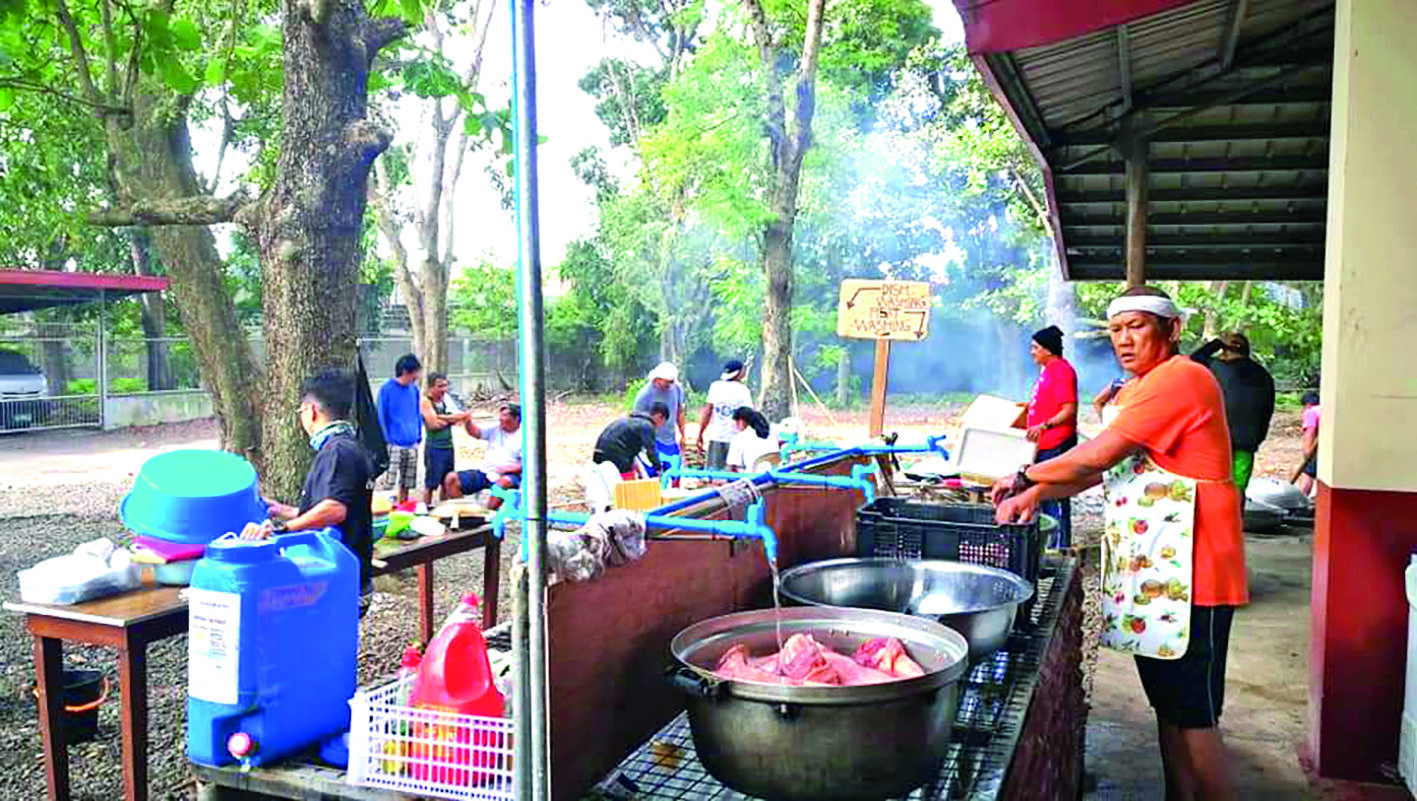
(883, 311)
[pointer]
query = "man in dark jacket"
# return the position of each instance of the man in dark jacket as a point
(340, 484)
(625, 439)
(1249, 398)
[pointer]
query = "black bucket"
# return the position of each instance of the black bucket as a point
(84, 692)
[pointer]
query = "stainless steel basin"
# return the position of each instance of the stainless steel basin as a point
(977, 601)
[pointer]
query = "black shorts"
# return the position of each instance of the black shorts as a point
(437, 463)
(1189, 692)
(473, 481)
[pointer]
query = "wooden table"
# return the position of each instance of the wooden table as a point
(420, 554)
(130, 621)
(126, 623)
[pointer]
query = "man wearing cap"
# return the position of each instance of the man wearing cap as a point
(1053, 415)
(1249, 399)
(663, 387)
(501, 465)
(725, 396)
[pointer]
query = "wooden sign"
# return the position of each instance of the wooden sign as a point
(884, 310)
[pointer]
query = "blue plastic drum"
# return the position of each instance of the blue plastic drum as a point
(192, 496)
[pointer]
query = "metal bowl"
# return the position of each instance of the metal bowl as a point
(820, 743)
(977, 601)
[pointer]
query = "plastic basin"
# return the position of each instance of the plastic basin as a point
(192, 496)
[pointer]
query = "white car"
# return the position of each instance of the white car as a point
(23, 389)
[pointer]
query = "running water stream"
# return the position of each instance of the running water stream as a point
(776, 599)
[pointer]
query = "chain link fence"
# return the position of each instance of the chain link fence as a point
(69, 375)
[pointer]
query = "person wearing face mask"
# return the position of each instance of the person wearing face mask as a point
(1173, 555)
(340, 484)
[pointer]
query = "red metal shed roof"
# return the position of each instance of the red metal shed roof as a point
(25, 290)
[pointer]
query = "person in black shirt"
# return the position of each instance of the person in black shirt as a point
(340, 485)
(625, 439)
(1249, 399)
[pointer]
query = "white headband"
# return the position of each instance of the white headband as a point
(1155, 304)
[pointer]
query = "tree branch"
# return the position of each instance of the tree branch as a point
(807, 77)
(200, 210)
(103, 109)
(316, 11)
(367, 137)
(81, 58)
(380, 33)
(111, 43)
(777, 109)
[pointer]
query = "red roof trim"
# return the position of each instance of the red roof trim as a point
(997, 26)
(81, 281)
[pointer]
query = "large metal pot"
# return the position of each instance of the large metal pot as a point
(820, 743)
(976, 601)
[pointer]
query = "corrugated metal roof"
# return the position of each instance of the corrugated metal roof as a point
(1238, 152)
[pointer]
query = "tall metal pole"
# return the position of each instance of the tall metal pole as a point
(101, 357)
(533, 764)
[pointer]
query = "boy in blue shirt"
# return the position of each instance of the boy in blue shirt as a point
(402, 423)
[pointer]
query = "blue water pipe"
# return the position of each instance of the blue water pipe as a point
(856, 481)
(933, 444)
(753, 526)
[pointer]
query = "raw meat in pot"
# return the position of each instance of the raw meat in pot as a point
(804, 661)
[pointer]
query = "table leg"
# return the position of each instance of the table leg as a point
(425, 601)
(491, 569)
(49, 676)
(133, 675)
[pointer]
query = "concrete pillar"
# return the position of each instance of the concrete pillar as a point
(1367, 515)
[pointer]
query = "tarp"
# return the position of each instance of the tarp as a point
(366, 420)
(993, 26)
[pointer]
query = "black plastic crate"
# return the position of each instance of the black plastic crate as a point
(896, 527)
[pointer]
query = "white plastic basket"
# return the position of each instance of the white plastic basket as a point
(425, 752)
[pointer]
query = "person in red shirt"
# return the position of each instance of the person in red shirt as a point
(1053, 417)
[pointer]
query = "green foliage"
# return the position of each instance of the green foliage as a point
(599, 301)
(632, 392)
(483, 300)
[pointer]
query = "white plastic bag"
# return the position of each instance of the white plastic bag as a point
(93, 570)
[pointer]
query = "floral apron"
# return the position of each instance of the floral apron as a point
(1147, 547)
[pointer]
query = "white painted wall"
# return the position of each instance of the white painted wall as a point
(1368, 438)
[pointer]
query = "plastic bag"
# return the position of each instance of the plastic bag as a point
(93, 570)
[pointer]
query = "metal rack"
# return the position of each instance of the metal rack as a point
(994, 700)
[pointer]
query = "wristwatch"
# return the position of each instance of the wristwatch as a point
(278, 526)
(1022, 481)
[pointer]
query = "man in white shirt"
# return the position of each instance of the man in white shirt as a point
(501, 465)
(725, 396)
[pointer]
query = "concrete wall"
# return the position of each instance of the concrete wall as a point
(1370, 288)
(1365, 528)
(151, 409)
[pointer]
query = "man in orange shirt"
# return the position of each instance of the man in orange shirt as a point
(1173, 552)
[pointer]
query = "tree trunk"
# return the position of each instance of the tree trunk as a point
(434, 350)
(789, 145)
(54, 350)
(152, 161)
(154, 314)
(775, 395)
(843, 379)
(308, 226)
(1212, 313)
(1243, 324)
